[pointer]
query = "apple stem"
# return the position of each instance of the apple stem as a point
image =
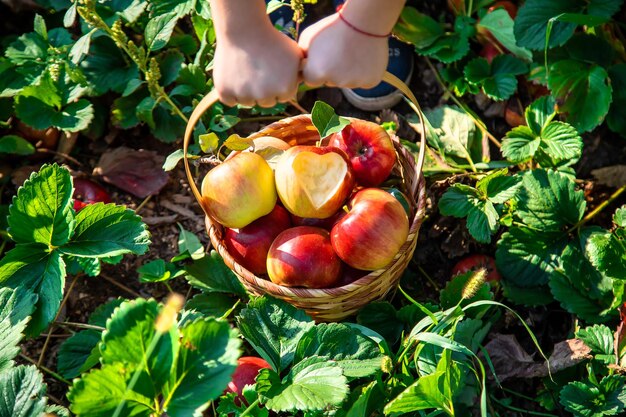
(208, 160)
(346, 209)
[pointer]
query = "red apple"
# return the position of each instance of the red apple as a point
(475, 262)
(240, 190)
(303, 257)
(250, 245)
(248, 368)
(88, 192)
(372, 232)
(370, 150)
(312, 181)
(326, 223)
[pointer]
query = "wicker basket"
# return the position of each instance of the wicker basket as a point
(328, 304)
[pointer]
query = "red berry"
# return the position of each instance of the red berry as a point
(88, 192)
(475, 262)
(248, 368)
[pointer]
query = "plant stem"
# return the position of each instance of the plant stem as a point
(56, 317)
(510, 407)
(122, 286)
(462, 105)
(46, 370)
(250, 408)
(79, 325)
(428, 277)
(598, 209)
(143, 203)
(229, 312)
(2, 246)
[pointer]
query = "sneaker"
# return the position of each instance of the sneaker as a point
(383, 96)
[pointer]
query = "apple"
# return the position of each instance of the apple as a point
(267, 146)
(248, 368)
(326, 223)
(44, 138)
(87, 192)
(372, 232)
(249, 245)
(303, 257)
(239, 191)
(313, 181)
(370, 149)
(476, 262)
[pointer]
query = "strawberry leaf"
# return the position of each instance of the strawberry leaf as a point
(599, 339)
(23, 392)
(498, 79)
(589, 399)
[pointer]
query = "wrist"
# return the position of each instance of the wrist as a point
(234, 19)
(374, 17)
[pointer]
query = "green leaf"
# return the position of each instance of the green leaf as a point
(520, 144)
(498, 79)
(179, 7)
(23, 392)
(585, 90)
(528, 296)
(129, 332)
(532, 19)
(188, 245)
(584, 398)
(498, 187)
(604, 8)
(451, 295)
(559, 142)
(211, 274)
(527, 258)
(326, 121)
(159, 30)
(170, 63)
(98, 393)
(29, 266)
(381, 316)
(500, 25)
(312, 384)
(104, 230)
(41, 212)
(106, 68)
(417, 28)
(168, 127)
(614, 119)
(206, 361)
(607, 253)
(211, 304)
(456, 133)
(236, 143)
(357, 355)
(158, 271)
(549, 201)
(13, 323)
(448, 48)
(461, 201)
(29, 51)
(173, 159)
(540, 113)
(598, 338)
(130, 10)
(619, 218)
(37, 113)
(79, 353)
(81, 48)
(274, 328)
(575, 301)
(16, 145)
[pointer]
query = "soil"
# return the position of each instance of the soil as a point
(442, 241)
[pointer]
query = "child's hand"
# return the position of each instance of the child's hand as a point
(339, 56)
(258, 66)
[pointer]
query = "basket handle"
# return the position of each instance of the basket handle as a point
(212, 98)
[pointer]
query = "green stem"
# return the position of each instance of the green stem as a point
(462, 105)
(46, 370)
(135, 378)
(520, 410)
(250, 408)
(2, 246)
(79, 325)
(598, 209)
(173, 105)
(429, 278)
(229, 312)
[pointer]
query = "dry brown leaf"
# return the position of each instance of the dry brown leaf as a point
(510, 360)
(138, 172)
(611, 176)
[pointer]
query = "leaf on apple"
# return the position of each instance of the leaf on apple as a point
(326, 120)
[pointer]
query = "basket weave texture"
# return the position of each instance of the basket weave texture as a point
(334, 304)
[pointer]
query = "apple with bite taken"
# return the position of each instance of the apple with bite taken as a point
(240, 190)
(313, 181)
(370, 149)
(303, 257)
(372, 232)
(249, 245)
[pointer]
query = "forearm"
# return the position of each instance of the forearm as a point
(374, 16)
(236, 17)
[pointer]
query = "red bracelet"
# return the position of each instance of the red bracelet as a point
(374, 35)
